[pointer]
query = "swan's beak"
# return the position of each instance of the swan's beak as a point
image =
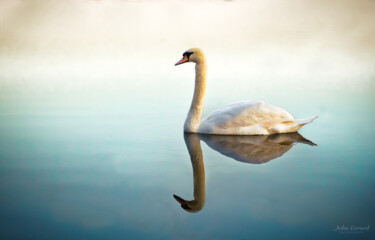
(183, 60)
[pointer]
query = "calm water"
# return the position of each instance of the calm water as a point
(108, 166)
(92, 110)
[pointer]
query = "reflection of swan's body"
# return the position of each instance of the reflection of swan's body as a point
(250, 149)
(253, 149)
(241, 118)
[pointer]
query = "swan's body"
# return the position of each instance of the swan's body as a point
(241, 118)
(250, 118)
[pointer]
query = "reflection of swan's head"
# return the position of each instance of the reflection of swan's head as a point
(189, 206)
(191, 55)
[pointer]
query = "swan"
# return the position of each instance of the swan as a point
(241, 118)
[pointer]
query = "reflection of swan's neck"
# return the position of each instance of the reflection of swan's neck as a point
(193, 145)
(193, 118)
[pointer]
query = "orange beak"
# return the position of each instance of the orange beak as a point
(183, 60)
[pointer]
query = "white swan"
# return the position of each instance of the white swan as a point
(240, 118)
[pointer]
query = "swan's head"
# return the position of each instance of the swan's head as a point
(191, 55)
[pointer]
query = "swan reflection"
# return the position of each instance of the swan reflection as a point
(249, 149)
(254, 149)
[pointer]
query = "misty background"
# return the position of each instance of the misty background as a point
(103, 47)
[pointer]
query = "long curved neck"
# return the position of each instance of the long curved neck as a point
(194, 115)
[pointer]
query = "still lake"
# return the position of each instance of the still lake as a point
(107, 166)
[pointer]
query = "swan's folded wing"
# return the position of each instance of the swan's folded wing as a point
(243, 117)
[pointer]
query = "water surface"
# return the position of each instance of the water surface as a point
(96, 168)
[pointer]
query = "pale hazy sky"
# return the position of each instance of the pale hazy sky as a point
(92, 39)
(75, 24)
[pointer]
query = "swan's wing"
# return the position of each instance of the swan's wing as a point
(247, 117)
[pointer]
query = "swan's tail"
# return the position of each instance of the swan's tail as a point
(290, 126)
(300, 139)
(304, 121)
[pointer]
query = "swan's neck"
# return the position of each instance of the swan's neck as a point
(193, 118)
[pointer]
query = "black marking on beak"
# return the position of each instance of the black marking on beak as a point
(185, 206)
(187, 54)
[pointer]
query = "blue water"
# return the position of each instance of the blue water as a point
(107, 167)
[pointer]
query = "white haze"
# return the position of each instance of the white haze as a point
(93, 46)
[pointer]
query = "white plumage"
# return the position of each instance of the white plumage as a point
(240, 118)
(250, 118)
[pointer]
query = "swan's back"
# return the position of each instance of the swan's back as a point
(249, 118)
